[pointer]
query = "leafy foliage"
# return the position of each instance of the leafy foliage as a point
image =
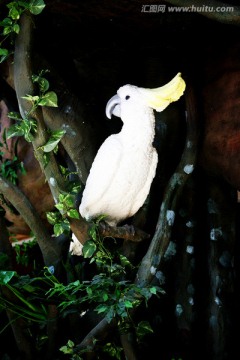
(69, 349)
(27, 126)
(23, 127)
(10, 23)
(24, 290)
(66, 209)
(110, 292)
(9, 167)
(22, 252)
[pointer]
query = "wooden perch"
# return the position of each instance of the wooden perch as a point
(125, 232)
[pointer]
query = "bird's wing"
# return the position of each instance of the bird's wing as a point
(102, 173)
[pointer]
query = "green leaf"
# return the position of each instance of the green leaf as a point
(48, 99)
(100, 218)
(105, 297)
(6, 276)
(6, 22)
(7, 30)
(14, 115)
(128, 304)
(124, 261)
(89, 249)
(89, 291)
(73, 213)
(3, 52)
(67, 200)
(42, 82)
(24, 4)
(65, 350)
(55, 137)
(28, 127)
(110, 315)
(143, 328)
(3, 58)
(36, 6)
(14, 130)
(14, 13)
(32, 99)
(50, 145)
(101, 308)
(52, 217)
(46, 159)
(153, 290)
(61, 228)
(16, 28)
(93, 232)
(70, 343)
(61, 197)
(60, 206)
(25, 128)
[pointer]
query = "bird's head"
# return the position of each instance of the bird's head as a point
(130, 97)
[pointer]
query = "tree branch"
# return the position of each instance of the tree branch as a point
(129, 233)
(77, 141)
(100, 332)
(48, 247)
(24, 86)
(160, 242)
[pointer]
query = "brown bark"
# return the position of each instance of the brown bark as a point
(49, 250)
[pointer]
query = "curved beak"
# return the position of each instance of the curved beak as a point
(113, 107)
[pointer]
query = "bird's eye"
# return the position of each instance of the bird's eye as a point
(127, 97)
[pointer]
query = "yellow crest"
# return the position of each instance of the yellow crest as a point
(160, 98)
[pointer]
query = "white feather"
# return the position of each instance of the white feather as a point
(75, 246)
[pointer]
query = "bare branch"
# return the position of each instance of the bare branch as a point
(30, 215)
(160, 242)
(99, 332)
(77, 141)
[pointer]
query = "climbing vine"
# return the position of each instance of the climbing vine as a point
(10, 23)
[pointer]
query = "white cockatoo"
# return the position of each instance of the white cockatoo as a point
(125, 165)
